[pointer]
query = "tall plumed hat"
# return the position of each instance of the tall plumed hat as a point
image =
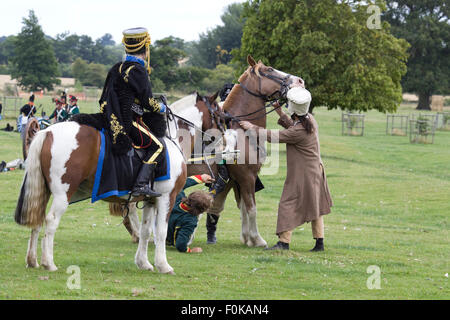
(137, 41)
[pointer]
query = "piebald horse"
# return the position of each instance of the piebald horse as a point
(60, 159)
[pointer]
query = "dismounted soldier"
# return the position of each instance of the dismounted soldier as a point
(305, 197)
(184, 216)
(127, 92)
(73, 106)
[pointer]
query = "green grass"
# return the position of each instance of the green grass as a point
(391, 207)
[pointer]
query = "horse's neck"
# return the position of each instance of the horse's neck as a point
(239, 102)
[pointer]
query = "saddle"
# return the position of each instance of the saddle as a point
(116, 173)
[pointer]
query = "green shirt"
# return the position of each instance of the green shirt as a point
(182, 224)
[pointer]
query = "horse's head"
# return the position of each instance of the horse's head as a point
(266, 82)
(210, 109)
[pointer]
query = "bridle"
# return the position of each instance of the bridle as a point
(279, 94)
(282, 91)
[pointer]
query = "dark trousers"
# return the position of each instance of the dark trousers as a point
(143, 138)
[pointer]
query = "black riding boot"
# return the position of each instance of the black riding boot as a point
(319, 245)
(211, 227)
(146, 175)
(221, 180)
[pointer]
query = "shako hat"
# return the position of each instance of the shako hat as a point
(299, 100)
(135, 40)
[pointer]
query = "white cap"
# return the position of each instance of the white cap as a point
(134, 31)
(299, 100)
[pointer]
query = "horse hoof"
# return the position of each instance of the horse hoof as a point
(50, 268)
(145, 266)
(32, 263)
(166, 270)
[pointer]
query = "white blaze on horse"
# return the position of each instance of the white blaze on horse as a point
(61, 159)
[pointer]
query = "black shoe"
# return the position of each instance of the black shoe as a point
(145, 176)
(2, 166)
(211, 227)
(279, 246)
(319, 245)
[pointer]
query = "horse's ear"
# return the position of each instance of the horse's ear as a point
(213, 97)
(251, 61)
(199, 97)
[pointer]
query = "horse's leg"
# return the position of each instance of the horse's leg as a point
(141, 258)
(244, 222)
(163, 206)
(250, 230)
(132, 224)
(52, 220)
(32, 248)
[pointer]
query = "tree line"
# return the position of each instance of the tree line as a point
(346, 63)
(176, 64)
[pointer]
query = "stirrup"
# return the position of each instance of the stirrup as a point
(144, 191)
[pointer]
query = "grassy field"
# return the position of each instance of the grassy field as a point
(391, 208)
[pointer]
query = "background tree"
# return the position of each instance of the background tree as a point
(214, 47)
(33, 64)
(425, 25)
(89, 74)
(344, 63)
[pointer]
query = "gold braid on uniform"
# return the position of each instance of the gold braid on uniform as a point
(154, 104)
(116, 128)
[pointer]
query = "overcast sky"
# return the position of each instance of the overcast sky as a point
(185, 19)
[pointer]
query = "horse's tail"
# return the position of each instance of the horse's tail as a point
(34, 193)
(116, 209)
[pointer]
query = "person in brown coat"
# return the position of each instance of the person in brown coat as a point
(306, 196)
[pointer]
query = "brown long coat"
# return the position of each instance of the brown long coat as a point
(305, 195)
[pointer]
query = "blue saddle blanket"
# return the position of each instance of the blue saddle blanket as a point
(116, 174)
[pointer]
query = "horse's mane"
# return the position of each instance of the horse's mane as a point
(230, 100)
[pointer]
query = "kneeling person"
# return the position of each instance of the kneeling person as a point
(184, 216)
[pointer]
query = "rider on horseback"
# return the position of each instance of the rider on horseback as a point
(127, 92)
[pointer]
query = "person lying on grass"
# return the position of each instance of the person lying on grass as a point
(184, 216)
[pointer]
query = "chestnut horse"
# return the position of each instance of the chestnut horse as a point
(258, 85)
(60, 159)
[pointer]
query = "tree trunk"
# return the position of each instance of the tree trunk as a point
(424, 101)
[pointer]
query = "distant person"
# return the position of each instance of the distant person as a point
(1, 108)
(305, 197)
(26, 112)
(63, 101)
(31, 99)
(60, 114)
(73, 106)
(184, 216)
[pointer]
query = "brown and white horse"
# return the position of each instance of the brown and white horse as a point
(60, 159)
